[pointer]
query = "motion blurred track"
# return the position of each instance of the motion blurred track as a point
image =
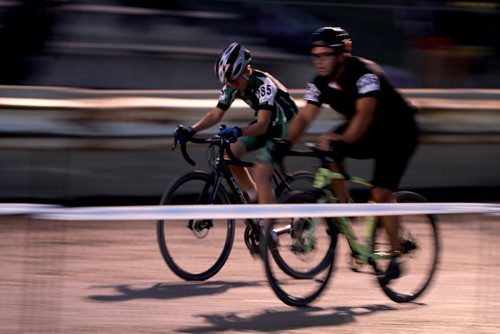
(109, 277)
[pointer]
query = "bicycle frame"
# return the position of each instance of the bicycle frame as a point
(362, 250)
(298, 279)
(212, 191)
(221, 169)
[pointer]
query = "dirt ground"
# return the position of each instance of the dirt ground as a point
(109, 277)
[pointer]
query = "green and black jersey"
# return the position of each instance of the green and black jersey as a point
(264, 92)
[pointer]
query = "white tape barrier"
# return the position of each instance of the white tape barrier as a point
(235, 211)
(24, 208)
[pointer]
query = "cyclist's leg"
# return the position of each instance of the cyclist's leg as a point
(242, 174)
(389, 169)
(263, 169)
(340, 188)
(419, 256)
(263, 165)
(390, 223)
(263, 173)
(391, 226)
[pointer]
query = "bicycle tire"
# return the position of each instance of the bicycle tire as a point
(192, 256)
(296, 197)
(419, 261)
(298, 180)
(295, 282)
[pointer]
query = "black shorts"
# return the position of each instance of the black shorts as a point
(391, 153)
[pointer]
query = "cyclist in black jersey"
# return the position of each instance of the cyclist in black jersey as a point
(380, 122)
(273, 107)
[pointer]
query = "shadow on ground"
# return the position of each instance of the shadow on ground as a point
(290, 319)
(165, 291)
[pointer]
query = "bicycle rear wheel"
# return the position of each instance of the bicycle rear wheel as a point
(195, 249)
(299, 180)
(419, 258)
(299, 264)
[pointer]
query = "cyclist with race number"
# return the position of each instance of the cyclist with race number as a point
(274, 108)
(380, 122)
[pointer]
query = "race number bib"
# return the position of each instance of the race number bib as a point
(266, 92)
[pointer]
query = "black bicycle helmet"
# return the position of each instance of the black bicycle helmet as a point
(232, 62)
(333, 37)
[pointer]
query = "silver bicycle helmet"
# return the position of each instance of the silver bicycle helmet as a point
(232, 62)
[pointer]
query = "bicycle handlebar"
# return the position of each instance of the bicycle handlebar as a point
(185, 153)
(217, 140)
(315, 152)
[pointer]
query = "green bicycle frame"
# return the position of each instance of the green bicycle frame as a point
(363, 251)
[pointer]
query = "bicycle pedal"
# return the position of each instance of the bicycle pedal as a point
(303, 247)
(392, 272)
(408, 246)
(255, 252)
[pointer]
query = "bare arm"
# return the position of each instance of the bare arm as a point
(259, 127)
(210, 119)
(303, 119)
(357, 127)
(362, 120)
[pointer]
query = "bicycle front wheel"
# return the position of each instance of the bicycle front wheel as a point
(419, 258)
(300, 262)
(195, 249)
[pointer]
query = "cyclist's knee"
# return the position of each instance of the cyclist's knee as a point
(238, 149)
(382, 195)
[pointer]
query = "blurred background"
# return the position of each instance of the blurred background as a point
(160, 44)
(91, 91)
